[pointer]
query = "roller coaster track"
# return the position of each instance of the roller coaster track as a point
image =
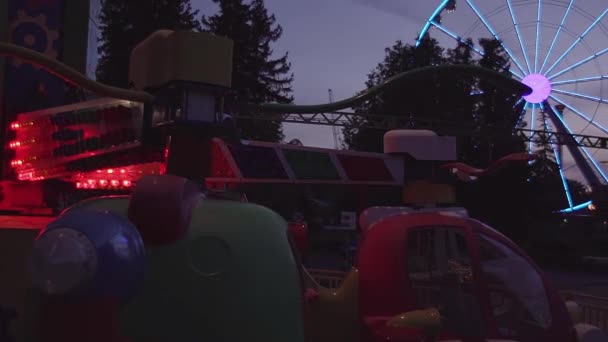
(388, 122)
(322, 114)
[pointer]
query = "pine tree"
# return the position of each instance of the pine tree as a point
(124, 24)
(257, 76)
(411, 99)
(497, 108)
(442, 97)
(460, 95)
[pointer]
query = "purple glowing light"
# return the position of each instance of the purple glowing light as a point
(541, 88)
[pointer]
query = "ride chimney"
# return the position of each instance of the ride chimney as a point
(189, 73)
(423, 152)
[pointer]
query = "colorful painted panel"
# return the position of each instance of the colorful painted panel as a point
(365, 169)
(311, 165)
(34, 24)
(220, 167)
(258, 162)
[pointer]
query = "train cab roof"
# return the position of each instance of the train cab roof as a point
(373, 215)
(434, 257)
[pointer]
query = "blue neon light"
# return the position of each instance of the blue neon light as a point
(453, 35)
(521, 43)
(577, 64)
(427, 26)
(576, 208)
(532, 119)
(582, 96)
(578, 40)
(580, 80)
(559, 30)
(487, 25)
(459, 39)
(523, 113)
(537, 36)
(518, 102)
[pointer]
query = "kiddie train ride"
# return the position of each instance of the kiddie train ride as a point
(174, 262)
(429, 272)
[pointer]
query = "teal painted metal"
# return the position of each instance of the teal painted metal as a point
(311, 165)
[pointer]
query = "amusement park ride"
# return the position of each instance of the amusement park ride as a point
(167, 254)
(102, 150)
(177, 261)
(100, 145)
(559, 48)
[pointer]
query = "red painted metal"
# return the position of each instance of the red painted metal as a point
(385, 289)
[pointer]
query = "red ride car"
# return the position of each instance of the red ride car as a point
(484, 286)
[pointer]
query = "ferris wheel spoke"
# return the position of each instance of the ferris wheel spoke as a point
(558, 161)
(522, 114)
(584, 149)
(427, 25)
(581, 96)
(538, 18)
(576, 207)
(578, 40)
(577, 64)
(462, 41)
(532, 122)
(456, 37)
(579, 113)
(559, 30)
(518, 33)
(493, 32)
(580, 80)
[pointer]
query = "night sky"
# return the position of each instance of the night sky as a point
(335, 44)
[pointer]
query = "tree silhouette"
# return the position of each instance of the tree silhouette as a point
(124, 24)
(257, 75)
(416, 100)
(462, 102)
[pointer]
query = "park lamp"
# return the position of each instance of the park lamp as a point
(189, 74)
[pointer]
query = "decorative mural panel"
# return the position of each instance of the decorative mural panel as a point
(220, 167)
(359, 168)
(311, 165)
(258, 162)
(37, 25)
(34, 24)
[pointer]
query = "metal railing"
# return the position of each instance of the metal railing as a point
(594, 309)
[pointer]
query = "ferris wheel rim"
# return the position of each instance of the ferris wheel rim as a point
(544, 71)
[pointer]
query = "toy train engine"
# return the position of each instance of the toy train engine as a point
(431, 273)
(168, 262)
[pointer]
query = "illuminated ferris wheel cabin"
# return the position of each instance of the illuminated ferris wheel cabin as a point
(541, 88)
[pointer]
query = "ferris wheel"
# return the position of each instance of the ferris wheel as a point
(559, 48)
